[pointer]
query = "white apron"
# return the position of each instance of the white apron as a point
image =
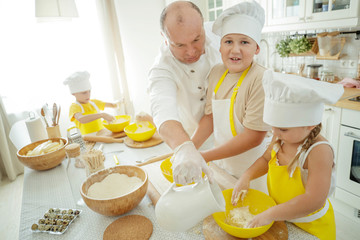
(238, 164)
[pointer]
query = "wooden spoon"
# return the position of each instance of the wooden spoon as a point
(43, 114)
(58, 115)
(54, 114)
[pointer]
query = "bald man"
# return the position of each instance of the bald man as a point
(178, 81)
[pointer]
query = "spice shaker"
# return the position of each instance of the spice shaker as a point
(73, 152)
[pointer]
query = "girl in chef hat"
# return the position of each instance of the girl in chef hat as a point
(299, 162)
(235, 97)
(86, 113)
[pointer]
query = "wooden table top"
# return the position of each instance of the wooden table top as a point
(344, 101)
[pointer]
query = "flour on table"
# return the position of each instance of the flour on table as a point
(239, 217)
(114, 185)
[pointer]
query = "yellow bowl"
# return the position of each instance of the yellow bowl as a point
(166, 170)
(118, 127)
(140, 131)
(257, 202)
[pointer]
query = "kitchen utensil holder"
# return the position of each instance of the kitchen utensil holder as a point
(53, 132)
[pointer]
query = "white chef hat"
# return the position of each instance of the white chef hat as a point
(294, 101)
(246, 17)
(78, 82)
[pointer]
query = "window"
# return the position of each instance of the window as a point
(215, 8)
(37, 57)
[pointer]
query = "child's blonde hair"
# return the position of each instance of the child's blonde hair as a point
(310, 140)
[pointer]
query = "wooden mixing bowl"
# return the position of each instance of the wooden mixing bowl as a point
(45, 161)
(118, 205)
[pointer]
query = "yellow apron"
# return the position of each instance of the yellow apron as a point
(282, 188)
(90, 127)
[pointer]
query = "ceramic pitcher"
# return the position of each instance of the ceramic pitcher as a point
(181, 208)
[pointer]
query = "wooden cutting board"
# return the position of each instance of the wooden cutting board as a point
(155, 140)
(91, 138)
(212, 231)
(107, 133)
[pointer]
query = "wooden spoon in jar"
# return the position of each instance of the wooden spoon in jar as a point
(54, 114)
(58, 115)
(43, 114)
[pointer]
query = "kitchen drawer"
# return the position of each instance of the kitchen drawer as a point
(350, 118)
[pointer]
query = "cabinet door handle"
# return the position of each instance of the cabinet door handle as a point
(308, 18)
(351, 134)
(328, 110)
(301, 19)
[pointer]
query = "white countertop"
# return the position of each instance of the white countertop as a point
(59, 188)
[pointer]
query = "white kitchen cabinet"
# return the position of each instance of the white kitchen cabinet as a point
(331, 125)
(295, 15)
(322, 10)
(285, 12)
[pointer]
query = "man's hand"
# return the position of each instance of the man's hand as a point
(188, 164)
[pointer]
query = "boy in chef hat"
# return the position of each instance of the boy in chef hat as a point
(300, 161)
(86, 113)
(235, 97)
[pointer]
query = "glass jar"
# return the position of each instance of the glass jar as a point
(75, 172)
(313, 71)
(327, 76)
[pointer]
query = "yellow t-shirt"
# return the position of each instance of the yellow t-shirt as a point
(86, 128)
(249, 101)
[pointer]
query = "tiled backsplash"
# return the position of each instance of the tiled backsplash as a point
(346, 66)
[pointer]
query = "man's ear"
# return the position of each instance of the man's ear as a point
(165, 38)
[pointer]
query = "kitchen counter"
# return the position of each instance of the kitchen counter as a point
(59, 188)
(344, 101)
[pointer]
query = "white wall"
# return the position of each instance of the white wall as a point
(140, 33)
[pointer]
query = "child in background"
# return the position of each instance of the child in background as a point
(86, 113)
(299, 162)
(235, 97)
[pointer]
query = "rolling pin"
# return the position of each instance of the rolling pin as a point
(153, 194)
(102, 139)
(154, 159)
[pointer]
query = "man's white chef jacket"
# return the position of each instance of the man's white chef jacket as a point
(177, 90)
